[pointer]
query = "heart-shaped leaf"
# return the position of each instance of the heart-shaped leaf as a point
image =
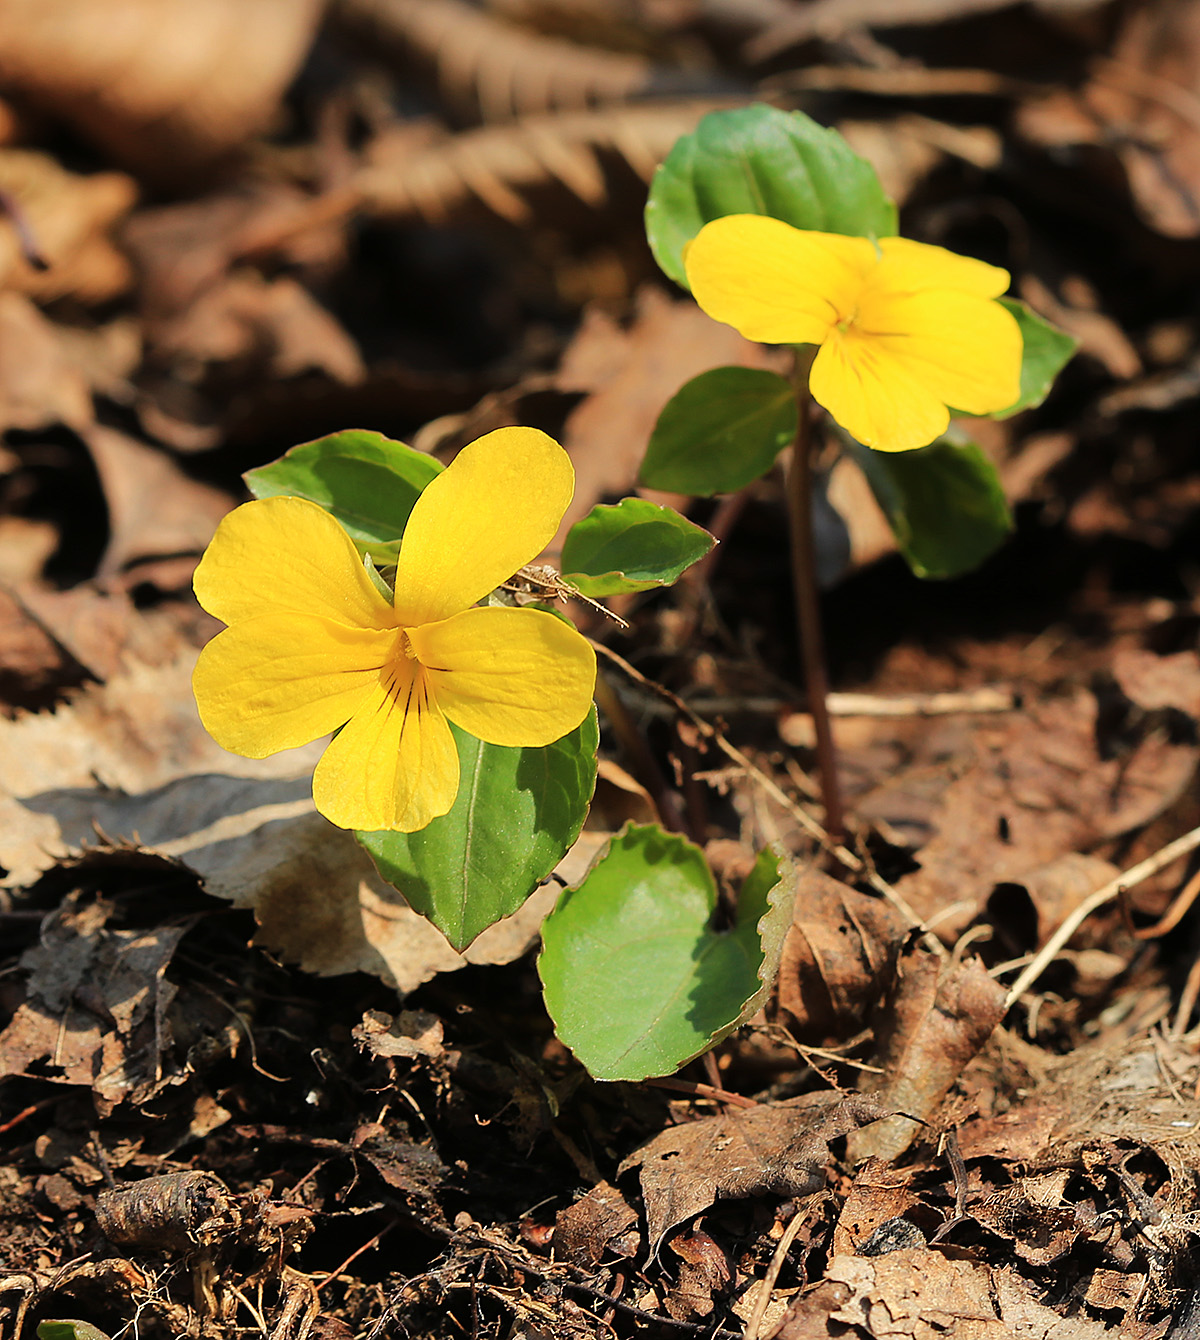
(720, 432)
(630, 546)
(516, 813)
(365, 480)
(760, 160)
(635, 979)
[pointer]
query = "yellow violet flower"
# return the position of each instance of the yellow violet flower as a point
(312, 645)
(904, 329)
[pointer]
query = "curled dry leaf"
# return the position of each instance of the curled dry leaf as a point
(69, 219)
(163, 88)
(933, 1022)
(488, 69)
(837, 958)
(499, 166)
(178, 1211)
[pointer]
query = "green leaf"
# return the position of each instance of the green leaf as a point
(720, 432)
(1047, 351)
(943, 502)
(630, 546)
(636, 981)
(516, 813)
(759, 160)
(69, 1328)
(367, 481)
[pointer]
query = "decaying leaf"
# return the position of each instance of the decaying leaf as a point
(918, 1292)
(838, 956)
(95, 1007)
(780, 1151)
(1031, 787)
(933, 1022)
(600, 1224)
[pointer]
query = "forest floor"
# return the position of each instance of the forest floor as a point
(243, 1089)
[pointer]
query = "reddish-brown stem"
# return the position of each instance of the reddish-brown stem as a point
(808, 603)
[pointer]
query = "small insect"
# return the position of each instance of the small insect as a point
(536, 581)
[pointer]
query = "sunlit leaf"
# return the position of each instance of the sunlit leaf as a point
(516, 813)
(635, 978)
(630, 546)
(760, 160)
(365, 480)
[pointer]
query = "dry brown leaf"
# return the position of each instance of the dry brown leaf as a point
(69, 218)
(760, 1151)
(255, 840)
(934, 1021)
(276, 323)
(162, 88)
(40, 385)
(94, 1007)
(879, 1195)
(920, 1293)
(705, 1273)
(488, 69)
(1027, 911)
(137, 731)
(500, 166)
(154, 509)
(1025, 789)
(837, 957)
(600, 1224)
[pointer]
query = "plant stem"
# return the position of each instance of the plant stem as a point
(808, 603)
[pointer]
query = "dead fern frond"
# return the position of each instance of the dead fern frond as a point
(496, 164)
(488, 70)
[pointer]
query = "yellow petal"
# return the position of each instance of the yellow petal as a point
(909, 267)
(287, 554)
(284, 679)
(493, 509)
(508, 676)
(875, 399)
(966, 350)
(774, 283)
(394, 765)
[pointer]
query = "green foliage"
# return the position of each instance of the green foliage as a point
(630, 546)
(720, 432)
(635, 979)
(365, 480)
(516, 813)
(759, 160)
(944, 503)
(1047, 351)
(69, 1328)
